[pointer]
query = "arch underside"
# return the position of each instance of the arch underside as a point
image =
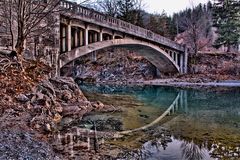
(152, 53)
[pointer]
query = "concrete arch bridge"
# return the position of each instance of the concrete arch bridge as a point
(83, 31)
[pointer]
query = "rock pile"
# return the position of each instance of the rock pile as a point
(112, 66)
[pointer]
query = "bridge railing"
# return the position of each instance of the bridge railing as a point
(114, 22)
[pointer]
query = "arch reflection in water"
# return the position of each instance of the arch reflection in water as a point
(203, 124)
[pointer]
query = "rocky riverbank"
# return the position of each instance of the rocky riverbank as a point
(34, 108)
(36, 115)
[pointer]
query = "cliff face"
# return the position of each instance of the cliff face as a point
(112, 65)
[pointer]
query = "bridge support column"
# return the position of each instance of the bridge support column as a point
(81, 38)
(69, 37)
(170, 53)
(113, 34)
(95, 38)
(174, 56)
(181, 63)
(176, 61)
(185, 60)
(76, 40)
(86, 36)
(101, 36)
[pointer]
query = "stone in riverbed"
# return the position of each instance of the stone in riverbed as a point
(48, 128)
(100, 107)
(58, 108)
(57, 118)
(66, 121)
(70, 110)
(22, 98)
(97, 105)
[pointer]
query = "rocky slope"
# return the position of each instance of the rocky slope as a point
(31, 106)
(34, 108)
(209, 67)
(112, 66)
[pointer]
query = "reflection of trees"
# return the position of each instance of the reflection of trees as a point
(191, 151)
(221, 151)
(148, 150)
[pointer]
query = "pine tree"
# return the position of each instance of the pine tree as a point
(126, 8)
(226, 15)
(153, 24)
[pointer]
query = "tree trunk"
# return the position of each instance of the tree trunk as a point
(228, 48)
(19, 49)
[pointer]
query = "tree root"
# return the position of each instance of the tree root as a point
(5, 63)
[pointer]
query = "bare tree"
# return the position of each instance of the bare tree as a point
(128, 10)
(86, 3)
(26, 18)
(109, 7)
(196, 24)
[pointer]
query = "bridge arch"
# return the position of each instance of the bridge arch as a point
(158, 57)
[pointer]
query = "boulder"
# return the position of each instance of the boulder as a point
(66, 95)
(71, 110)
(22, 98)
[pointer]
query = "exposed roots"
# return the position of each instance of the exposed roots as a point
(5, 63)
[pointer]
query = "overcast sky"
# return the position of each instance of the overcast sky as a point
(170, 6)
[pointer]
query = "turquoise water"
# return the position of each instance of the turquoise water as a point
(203, 124)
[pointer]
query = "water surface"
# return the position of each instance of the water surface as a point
(203, 124)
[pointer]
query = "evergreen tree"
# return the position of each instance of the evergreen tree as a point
(153, 24)
(226, 15)
(126, 8)
(131, 11)
(162, 24)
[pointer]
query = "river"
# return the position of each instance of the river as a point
(195, 123)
